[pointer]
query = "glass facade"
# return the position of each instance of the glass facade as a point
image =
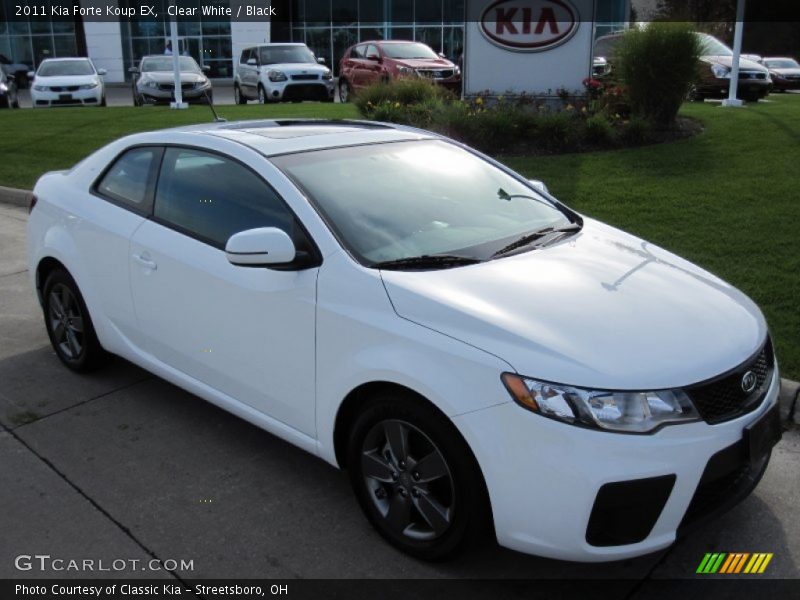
(207, 40)
(30, 41)
(329, 27)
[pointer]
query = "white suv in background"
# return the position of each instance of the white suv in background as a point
(281, 72)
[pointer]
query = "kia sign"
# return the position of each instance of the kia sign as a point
(534, 46)
(529, 25)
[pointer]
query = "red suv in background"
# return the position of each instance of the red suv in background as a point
(370, 62)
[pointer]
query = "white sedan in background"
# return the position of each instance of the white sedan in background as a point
(471, 350)
(67, 82)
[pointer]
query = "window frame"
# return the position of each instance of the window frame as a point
(313, 248)
(146, 209)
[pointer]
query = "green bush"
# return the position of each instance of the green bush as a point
(598, 130)
(556, 131)
(658, 65)
(637, 132)
(407, 92)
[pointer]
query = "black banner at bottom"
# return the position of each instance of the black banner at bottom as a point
(383, 589)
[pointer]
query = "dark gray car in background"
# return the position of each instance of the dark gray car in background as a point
(154, 80)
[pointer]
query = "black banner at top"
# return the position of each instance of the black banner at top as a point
(420, 12)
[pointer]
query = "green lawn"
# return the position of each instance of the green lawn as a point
(728, 199)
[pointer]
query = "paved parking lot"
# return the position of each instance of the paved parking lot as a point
(121, 464)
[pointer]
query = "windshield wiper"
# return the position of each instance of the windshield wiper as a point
(531, 238)
(427, 261)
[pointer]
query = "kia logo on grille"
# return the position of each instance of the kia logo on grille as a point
(749, 382)
(529, 25)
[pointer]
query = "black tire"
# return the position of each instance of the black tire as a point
(262, 95)
(344, 90)
(103, 101)
(64, 305)
(15, 104)
(456, 502)
(238, 96)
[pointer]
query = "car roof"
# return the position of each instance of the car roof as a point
(288, 136)
(273, 44)
(66, 58)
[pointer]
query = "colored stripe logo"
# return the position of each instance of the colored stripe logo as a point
(732, 563)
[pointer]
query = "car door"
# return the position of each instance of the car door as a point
(372, 66)
(247, 74)
(246, 332)
(357, 66)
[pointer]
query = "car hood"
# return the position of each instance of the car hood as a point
(785, 72)
(424, 63)
(299, 68)
(727, 61)
(66, 80)
(602, 309)
(169, 77)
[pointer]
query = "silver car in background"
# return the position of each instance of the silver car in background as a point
(154, 80)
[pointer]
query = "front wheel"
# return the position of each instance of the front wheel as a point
(344, 91)
(262, 95)
(415, 478)
(69, 325)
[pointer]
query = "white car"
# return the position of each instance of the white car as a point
(281, 73)
(67, 82)
(472, 351)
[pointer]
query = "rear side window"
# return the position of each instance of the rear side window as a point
(211, 197)
(357, 52)
(129, 180)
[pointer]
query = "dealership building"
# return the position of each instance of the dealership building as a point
(327, 26)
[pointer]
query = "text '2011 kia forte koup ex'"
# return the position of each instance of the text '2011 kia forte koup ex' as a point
(477, 355)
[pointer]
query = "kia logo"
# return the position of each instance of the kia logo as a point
(529, 25)
(749, 382)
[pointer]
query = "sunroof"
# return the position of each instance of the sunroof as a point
(297, 131)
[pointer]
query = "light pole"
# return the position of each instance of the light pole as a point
(176, 63)
(737, 51)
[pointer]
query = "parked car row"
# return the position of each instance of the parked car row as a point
(757, 76)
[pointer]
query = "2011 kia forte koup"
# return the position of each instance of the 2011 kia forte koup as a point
(478, 356)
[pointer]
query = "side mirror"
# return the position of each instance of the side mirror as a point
(31, 74)
(260, 247)
(539, 185)
(205, 68)
(134, 70)
(101, 72)
(252, 62)
(321, 60)
(442, 55)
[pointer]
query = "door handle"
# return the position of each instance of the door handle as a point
(145, 262)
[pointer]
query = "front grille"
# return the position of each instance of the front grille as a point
(752, 75)
(723, 398)
(168, 87)
(304, 77)
(436, 74)
(64, 88)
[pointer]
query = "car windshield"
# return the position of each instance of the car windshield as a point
(164, 63)
(711, 46)
(276, 55)
(403, 200)
(405, 51)
(57, 68)
(782, 63)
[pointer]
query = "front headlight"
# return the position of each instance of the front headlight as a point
(406, 71)
(150, 84)
(88, 86)
(721, 72)
(624, 411)
(275, 75)
(202, 83)
(40, 88)
(327, 75)
(3, 87)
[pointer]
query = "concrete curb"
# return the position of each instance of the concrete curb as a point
(15, 197)
(789, 389)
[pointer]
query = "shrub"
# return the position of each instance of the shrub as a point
(408, 91)
(599, 130)
(658, 65)
(637, 132)
(555, 131)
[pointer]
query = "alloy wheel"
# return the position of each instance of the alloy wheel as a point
(262, 96)
(344, 91)
(408, 480)
(66, 321)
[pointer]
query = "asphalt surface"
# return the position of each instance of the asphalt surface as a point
(122, 465)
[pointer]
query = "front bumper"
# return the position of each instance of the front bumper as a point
(155, 95)
(544, 476)
(785, 84)
(91, 97)
(720, 88)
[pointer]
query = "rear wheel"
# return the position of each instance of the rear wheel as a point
(415, 478)
(69, 325)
